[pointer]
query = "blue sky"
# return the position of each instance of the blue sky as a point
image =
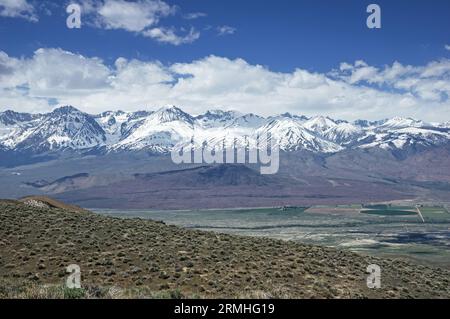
(316, 35)
(267, 43)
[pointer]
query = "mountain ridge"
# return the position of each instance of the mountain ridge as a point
(68, 129)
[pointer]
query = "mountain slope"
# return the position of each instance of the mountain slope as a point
(217, 118)
(343, 133)
(319, 124)
(290, 135)
(64, 128)
(159, 132)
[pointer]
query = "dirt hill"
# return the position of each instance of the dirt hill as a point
(47, 202)
(140, 258)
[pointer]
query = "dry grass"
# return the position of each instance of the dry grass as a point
(136, 258)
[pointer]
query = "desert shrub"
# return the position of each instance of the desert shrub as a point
(74, 293)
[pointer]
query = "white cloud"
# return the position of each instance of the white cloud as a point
(138, 16)
(165, 35)
(132, 16)
(18, 9)
(430, 83)
(195, 15)
(447, 47)
(345, 66)
(8, 66)
(49, 74)
(141, 17)
(138, 74)
(225, 30)
(55, 70)
(26, 84)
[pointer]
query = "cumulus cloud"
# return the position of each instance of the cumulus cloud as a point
(140, 17)
(166, 35)
(447, 47)
(128, 71)
(355, 90)
(18, 9)
(429, 83)
(131, 16)
(225, 30)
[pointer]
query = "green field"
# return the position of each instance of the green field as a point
(388, 207)
(435, 214)
(389, 212)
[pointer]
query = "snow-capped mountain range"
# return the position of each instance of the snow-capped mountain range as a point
(67, 128)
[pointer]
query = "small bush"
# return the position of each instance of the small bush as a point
(74, 293)
(176, 294)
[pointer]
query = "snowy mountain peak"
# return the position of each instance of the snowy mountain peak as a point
(67, 109)
(293, 136)
(287, 114)
(366, 123)
(170, 114)
(400, 122)
(444, 124)
(248, 121)
(64, 128)
(10, 117)
(219, 114)
(110, 114)
(300, 118)
(319, 124)
(217, 118)
(67, 128)
(343, 133)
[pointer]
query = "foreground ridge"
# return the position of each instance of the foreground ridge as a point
(142, 258)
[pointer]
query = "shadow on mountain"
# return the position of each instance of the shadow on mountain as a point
(215, 175)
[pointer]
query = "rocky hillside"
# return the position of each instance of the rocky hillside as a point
(140, 258)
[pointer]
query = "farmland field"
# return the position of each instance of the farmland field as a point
(389, 212)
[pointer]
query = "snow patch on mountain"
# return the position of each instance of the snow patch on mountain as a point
(64, 128)
(400, 122)
(217, 118)
(162, 130)
(343, 133)
(319, 124)
(290, 135)
(405, 137)
(248, 121)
